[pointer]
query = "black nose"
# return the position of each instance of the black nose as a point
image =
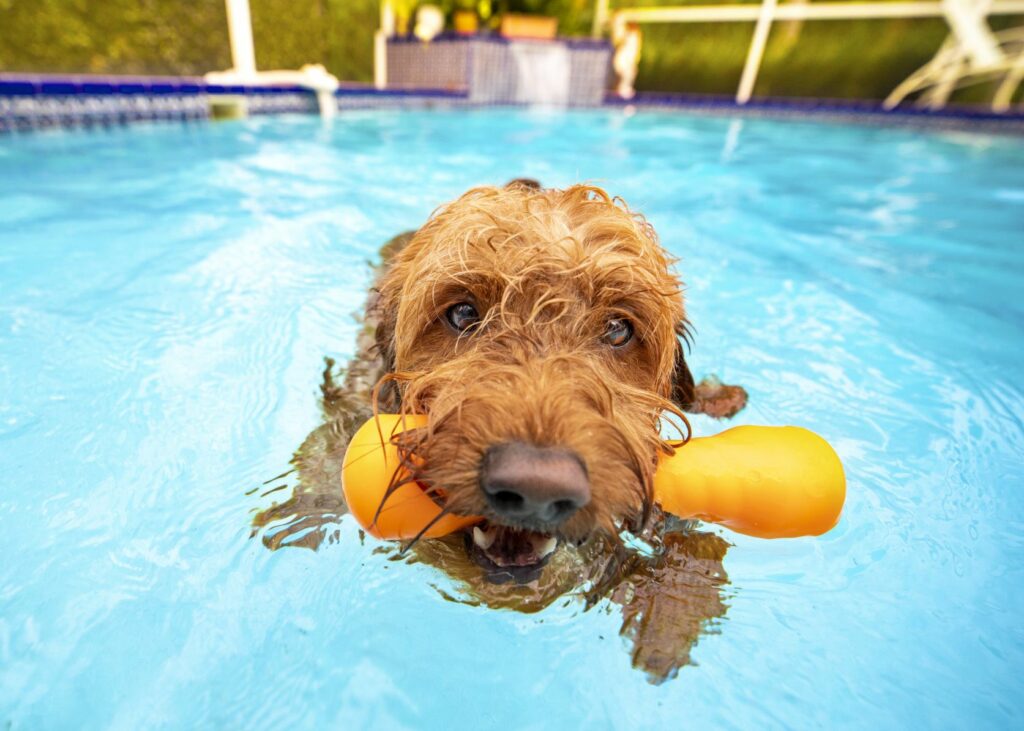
(534, 485)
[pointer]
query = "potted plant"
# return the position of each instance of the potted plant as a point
(465, 18)
(525, 19)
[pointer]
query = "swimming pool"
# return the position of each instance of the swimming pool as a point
(168, 293)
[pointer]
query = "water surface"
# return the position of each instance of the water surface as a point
(167, 294)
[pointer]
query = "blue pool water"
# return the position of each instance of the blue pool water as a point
(167, 294)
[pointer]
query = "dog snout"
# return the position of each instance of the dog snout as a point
(534, 485)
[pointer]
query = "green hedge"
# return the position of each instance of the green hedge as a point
(836, 59)
(113, 36)
(859, 59)
(183, 36)
(864, 59)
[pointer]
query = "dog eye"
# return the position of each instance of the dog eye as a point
(618, 332)
(462, 316)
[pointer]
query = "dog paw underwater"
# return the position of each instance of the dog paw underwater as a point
(521, 353)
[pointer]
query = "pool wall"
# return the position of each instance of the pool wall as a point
(33, 101)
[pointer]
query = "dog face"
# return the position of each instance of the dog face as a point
(538, 329)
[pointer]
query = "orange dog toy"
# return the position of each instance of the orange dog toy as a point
(765, 481)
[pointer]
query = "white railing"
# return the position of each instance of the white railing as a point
(952, 68)
(966, 18)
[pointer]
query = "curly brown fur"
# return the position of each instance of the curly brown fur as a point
(546, 269)
(549, 266)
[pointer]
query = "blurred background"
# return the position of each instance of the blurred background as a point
(850, 59)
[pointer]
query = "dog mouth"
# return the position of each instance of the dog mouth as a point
(506, 553)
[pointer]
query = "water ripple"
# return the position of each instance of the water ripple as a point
(167, 295)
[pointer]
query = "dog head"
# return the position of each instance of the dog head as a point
(539, 331)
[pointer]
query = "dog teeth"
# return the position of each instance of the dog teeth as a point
(484, 539)
(546, 547)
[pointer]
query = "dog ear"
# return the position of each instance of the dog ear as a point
(683, 393)
(524, 183)
(383, 320)
(382, 317)
(710, 396)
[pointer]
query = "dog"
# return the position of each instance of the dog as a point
(544, 333)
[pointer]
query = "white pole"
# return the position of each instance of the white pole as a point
(380, 60)
(380, 44)
(803, 11)
(387, 18)
(756, 51)
(243, 51)
(600, 18)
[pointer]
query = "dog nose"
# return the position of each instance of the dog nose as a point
(531, 484)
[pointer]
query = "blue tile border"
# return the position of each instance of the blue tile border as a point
(18, 88)
(75, 84)
(35, 101)
(98, 88)
(850, 110)
(30, 101)
(80, 83)
(400, 93)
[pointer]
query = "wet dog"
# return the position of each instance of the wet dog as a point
(543, 332)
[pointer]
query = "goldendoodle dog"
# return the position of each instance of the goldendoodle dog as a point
(544, 333)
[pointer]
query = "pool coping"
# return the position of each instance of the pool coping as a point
(37, 101)
(815, 109)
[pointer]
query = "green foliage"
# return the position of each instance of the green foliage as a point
(113, 36)
(336, 33)
(862, 59)
(183, 36)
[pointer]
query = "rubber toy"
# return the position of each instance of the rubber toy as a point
(764, 481)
